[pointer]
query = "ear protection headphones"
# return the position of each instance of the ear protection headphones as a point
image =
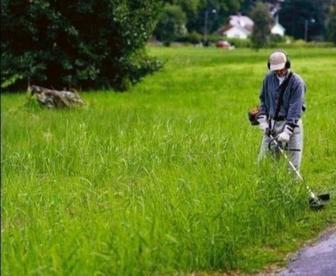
(288, 63)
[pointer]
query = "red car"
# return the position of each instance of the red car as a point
(223, 44)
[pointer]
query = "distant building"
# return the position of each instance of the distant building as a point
(240, 26)
(234, 32)
(277, 29)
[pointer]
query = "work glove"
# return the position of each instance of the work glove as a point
(263, 124)
(286, 134)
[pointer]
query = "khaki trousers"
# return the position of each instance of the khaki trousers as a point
(294, 147)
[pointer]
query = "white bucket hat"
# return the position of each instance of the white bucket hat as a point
(277, 61)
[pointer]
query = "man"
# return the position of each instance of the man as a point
(281, 107)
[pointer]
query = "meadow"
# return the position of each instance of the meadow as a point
(164, 179)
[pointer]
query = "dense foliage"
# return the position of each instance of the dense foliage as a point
(304, 18)
(76, 43)
(195, 11)
(294, 15)
(171, 25)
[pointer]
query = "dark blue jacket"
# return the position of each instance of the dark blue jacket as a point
(293, 97)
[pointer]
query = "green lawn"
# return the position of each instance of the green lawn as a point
(164, 178)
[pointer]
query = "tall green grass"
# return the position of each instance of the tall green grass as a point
(164, 178)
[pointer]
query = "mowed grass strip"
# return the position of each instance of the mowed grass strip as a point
(164, 178)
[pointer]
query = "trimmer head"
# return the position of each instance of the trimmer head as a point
(316, 202)
(319, 201)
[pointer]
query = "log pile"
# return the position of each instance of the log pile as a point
(55, 98)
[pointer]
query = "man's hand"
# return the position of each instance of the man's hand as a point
(286, 134)
(263, 124)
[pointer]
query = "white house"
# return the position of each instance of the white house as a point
(241, 20)
(239, 26)
(277, 29)
(236, 32)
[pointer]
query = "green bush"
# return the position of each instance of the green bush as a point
(81, 44)
(192, 38)
(275, 40)
(239, 43)
(213, 38)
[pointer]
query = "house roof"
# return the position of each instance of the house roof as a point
(245, 24)
(224, 29)
(241, 20)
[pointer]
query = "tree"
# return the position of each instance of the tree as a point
(247, 5)
(171, 25)
(76, 43)
(223, 8)
(262, 25)
(217, 10)
(331, 23)
(303, 18)
(195, 11)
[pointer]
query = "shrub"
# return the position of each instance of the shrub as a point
(213, 38)
(239, 43)
(81, 44)
(193, 38)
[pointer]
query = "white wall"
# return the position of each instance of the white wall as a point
(235, 33)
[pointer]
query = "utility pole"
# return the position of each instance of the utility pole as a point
(306, 30)
(306, 26)
(205, 36)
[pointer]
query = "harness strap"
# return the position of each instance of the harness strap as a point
(281, 92)
(282, 89)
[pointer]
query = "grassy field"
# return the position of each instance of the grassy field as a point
(164, 178)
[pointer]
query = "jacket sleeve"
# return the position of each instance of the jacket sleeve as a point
(262, 98)
(296, 102)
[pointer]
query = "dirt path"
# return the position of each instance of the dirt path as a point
(317, 259)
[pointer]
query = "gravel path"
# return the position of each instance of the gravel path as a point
(318, 259)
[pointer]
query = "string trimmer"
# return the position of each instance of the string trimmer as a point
(316, 202)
